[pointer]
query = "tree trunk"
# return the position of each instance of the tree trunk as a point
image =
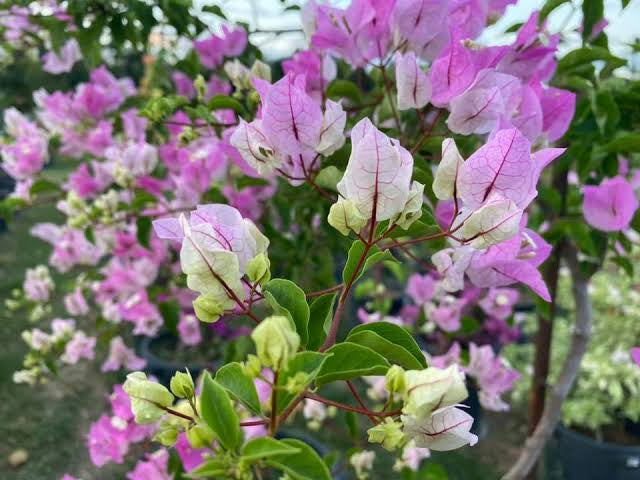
(544, 334)
(551, 415)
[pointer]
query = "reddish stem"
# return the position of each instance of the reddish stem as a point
(319, 293)
(426, 134)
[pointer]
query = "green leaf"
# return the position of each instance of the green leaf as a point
(419, 228)
(374, 255)
(245, 181)
(241, 387)
(141, 198)
(433, 471)
(304, 465)
(592, 13)
(344, 89)
(514, 28)
(89, 41)
(213, 468)
(215, 9)
(391, 341)
(56, 28)
(606, 112)
(353, 424)
(291, 298)
(143, 231)
(329, 177)
(219, 102)
(218, 413)
(42, 186)
(265, 447)
(9, 206)
(586, 55)
(393, 353)
(350, 360)
(306, 362)
(170, 311)
(470, 325)
(320, 316)
(548, 7)
(624, 263)
(90, 235)
(625, 143)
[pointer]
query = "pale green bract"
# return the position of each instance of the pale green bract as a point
(276, 341)
(433, 388)
(215, 273)
(147, 398)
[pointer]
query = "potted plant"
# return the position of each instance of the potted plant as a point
(598, 437)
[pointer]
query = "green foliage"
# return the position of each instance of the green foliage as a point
(320, 316)
(303, 465)
(339, 88)
(265, 447)
(143, 231)
(219, 414)
(240, 386)
(391, 341)
(548, 7)
(286, 298)
(350, 360)
(309, 364)
(225, 102)
(373, 256)
(607, 390)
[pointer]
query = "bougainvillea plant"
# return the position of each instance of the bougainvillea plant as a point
(394, 153)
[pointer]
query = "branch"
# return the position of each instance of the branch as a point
(427, 133)
(319, 293)
(551, 415)
(387, 88)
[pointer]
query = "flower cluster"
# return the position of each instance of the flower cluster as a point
(27, 154)
(292, 132)
(111, 437)
(182, 187)
(65, 343)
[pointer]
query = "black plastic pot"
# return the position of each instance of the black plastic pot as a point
(339, 470)
(480, 426)
(580, 457)
(164, 368)
(6, 187)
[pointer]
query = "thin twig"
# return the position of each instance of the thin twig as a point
(319, 293)
(427, 133)
(359, 399)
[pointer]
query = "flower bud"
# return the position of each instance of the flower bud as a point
(433, 388)
(413, 208)
(200, 436)
(261, 70)
(297, 383)
(258, 269)
(200, 84)
(252, 367)
(239, 75)
(362, 462)
(276, 341)
(187, 136)
(147, 398)
(396, 381)
(182, 385)
(207, 308)
(388, 433)
(167, 435)
(345, 216)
